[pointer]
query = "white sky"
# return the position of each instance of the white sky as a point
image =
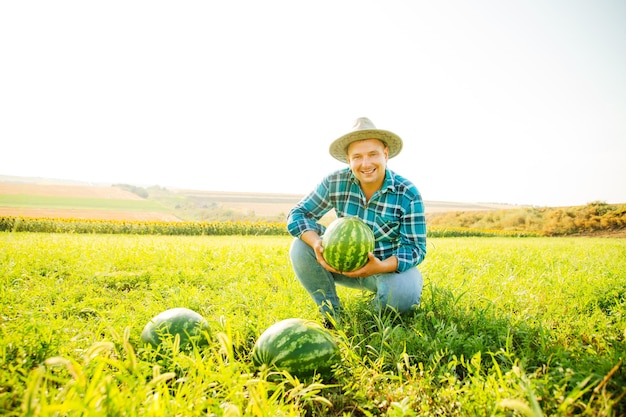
(520, 102)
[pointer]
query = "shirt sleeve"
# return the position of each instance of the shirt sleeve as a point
(412, 249)
(306, 214)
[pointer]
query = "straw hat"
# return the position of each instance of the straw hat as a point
(365, 129)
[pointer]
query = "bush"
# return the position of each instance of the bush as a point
(592, 218)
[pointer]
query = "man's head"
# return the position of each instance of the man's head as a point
(368, 159)
(364, 129)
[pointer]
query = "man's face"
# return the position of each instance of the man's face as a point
(368, 159)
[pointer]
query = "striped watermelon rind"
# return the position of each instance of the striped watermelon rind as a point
(187, 324)
(346, 242)
(301, 347)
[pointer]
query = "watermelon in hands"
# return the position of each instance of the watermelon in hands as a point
(300, 347)
(346, 243)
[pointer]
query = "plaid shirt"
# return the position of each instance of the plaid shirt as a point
(395, 213)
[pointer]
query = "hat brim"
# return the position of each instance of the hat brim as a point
(339, 148)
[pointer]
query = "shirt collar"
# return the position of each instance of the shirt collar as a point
(390, 181)
(389, 184)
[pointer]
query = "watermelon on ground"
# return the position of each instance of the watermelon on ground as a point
(301, 347)
(185, 323)
(346, 242)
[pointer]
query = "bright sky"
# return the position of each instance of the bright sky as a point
(519, 102)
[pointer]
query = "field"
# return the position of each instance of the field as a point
(78, 201)
(18, 197)
(507, 326)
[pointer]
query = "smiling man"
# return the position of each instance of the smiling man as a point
(387, 202)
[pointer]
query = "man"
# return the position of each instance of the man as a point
(390, 204)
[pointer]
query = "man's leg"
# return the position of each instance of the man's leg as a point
(401, 291)
(319, 283)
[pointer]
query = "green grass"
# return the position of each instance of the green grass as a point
(49, 202)
(532, 326)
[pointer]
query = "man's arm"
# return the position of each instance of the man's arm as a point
(304, 216)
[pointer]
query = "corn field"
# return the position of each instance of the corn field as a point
(228, 228)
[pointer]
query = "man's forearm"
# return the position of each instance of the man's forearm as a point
(390, 264)
(310, 237)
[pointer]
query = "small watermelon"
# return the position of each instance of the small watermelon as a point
(184, 322)
(301, 347)
(346, 242)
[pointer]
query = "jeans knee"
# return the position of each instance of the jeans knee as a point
(403, 293)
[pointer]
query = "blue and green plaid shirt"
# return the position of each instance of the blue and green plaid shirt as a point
(395, 213)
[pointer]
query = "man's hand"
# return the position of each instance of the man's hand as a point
(319, 255)
(374, 266)
(312, 239)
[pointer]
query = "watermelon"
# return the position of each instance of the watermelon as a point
(346, 242)
(185, 323)
(301, 347)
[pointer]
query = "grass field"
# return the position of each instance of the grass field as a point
(532, 326)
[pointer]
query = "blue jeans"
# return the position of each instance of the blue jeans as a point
(401, 291)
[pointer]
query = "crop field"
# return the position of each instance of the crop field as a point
(18, 197)
(73, 201)
(79, 203)
(507, 327)
(68, 191)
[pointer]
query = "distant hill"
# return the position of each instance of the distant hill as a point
(44, 197)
